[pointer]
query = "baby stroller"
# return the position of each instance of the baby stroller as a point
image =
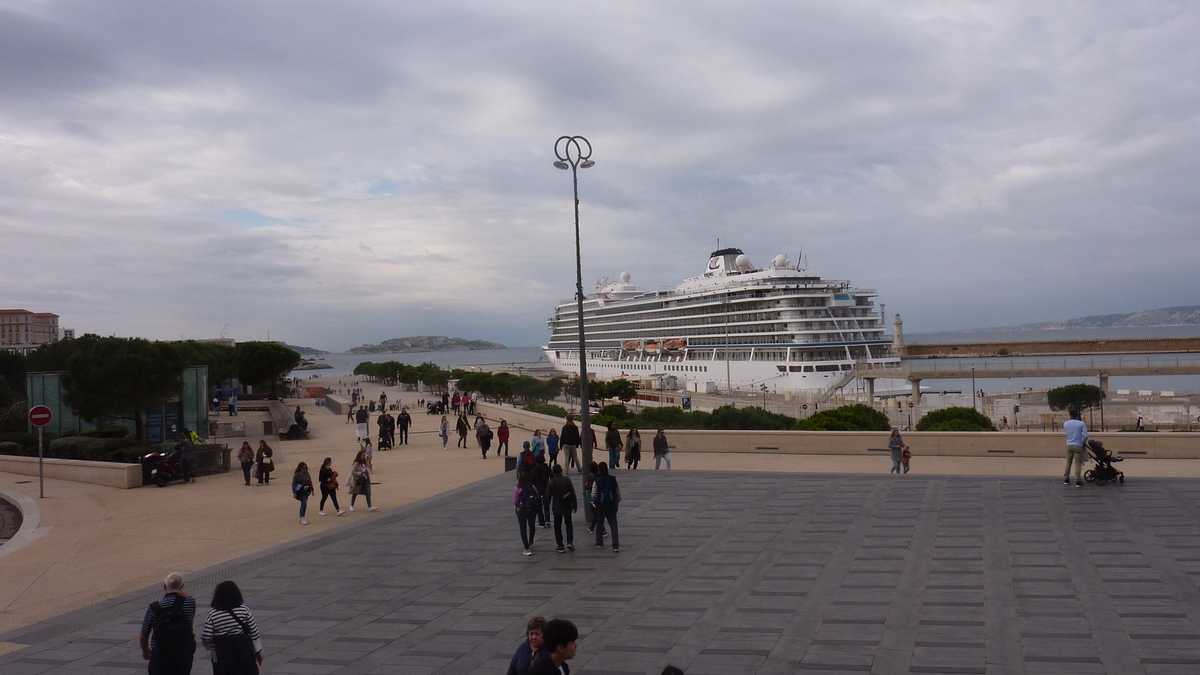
(1104, 470)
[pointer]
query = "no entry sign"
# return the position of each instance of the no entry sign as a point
(40, 416)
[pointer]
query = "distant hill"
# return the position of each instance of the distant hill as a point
(425, 343)
(306, 351)
(1167, 316)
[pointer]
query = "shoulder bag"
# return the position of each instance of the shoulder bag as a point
(235, 653)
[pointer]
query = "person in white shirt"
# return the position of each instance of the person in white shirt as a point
(1077, 435)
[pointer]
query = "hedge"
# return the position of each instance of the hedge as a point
(955, 418)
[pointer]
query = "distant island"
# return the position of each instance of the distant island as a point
(306, 351)
(425, 343)
(307, 364)
(1150, 318)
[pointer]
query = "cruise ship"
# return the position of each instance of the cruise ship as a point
(734, 327)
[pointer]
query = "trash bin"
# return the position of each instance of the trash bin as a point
(268, 427)
(510, 463)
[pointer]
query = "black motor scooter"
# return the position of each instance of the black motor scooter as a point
(165, 464)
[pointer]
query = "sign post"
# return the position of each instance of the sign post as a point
(40, 416)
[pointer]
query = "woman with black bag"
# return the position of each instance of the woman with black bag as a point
(230, 634)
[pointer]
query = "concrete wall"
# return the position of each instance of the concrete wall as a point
(949, 443)
(1055, 347)
(336, 404)
(112, 474)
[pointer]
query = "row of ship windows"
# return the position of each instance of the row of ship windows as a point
(625, 365)
(825, 368)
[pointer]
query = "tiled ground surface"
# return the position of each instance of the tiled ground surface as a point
(726, 573)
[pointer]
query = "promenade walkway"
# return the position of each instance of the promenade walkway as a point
(723, 573)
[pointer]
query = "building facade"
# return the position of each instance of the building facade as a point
(23, 331)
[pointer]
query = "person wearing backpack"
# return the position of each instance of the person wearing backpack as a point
(302, 488)
(230, 634)
(562, 497)
(167, 640)
(606, 497)
(527, 502)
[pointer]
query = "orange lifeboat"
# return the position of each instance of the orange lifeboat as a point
(674, 344)
(650, 346)
(631, 345)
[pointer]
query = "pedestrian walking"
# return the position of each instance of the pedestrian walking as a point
(612, 441)
(233, 405)
(444, 432)
(633, 449)
(906, 458)
(362, 422)
(403, 422)
(502, 432)
(527, 502)
(246, 459)
(265, 458)
(302, 489)
(360, 480)
(327, 477)
(230, 633)
(462, 427)
(569, 438)
(559, 638)
(552, 445)
(484, 435)
(167, 639)
(662, 450)
(562, 497)
(606, 497)
(537, 445)
(368, 453)
(541, 479)
(523, 657)
(589, 482)
(349, 413)
(896, 448)
(1077, 435)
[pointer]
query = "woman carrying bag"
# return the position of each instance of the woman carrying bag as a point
(266, 463)
(230, 634)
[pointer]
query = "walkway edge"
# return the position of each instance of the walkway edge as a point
(31, 519)
(85, 617)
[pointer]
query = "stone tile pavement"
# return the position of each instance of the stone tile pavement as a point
(723, 573)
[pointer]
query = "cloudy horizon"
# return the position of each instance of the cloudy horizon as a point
(339, 174)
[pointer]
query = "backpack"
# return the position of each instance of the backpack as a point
(527, 499)
(172, 628)
(608, 494)
(300, 490)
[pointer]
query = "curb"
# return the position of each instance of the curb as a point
(31, 518)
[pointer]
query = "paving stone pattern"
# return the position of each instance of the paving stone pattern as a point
(725, 573)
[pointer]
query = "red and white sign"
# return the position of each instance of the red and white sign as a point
(40, 416)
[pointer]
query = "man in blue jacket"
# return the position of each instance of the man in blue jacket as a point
(527, 649)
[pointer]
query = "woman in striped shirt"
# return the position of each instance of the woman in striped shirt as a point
(230, 634)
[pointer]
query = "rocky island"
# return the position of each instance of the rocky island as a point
(425, 343)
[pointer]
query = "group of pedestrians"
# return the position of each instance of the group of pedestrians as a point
(393, 431)
(359, 484)
(545, 497)
(229, 633)
(260, 463)
(548, 646)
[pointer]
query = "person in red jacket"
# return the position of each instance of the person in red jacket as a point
(502, 437)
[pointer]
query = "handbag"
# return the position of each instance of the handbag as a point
(235, 653)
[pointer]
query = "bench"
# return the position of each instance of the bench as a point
(282, 418)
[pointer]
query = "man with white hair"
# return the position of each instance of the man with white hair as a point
(167, 639)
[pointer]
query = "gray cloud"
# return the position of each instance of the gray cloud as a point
(338, 174)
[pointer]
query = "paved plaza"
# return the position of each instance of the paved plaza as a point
(723, 573)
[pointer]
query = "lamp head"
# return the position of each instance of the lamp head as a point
(586, 164)
(561, 165)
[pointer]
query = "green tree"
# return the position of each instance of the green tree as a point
(620, 389)
(1075, 397)
(956, 418)
(12, 377)
(114, 377)
(220, 359)
(857, 417)
(264, 363)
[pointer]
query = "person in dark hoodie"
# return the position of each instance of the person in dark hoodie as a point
(541, 480)
(568, 438)
(527, 501)
(562, 497)
(403, 422)
(527, 650)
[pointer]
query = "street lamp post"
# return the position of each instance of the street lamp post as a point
(574, 153)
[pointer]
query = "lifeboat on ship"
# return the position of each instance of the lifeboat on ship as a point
(650, 346)
(674, 344)
(631, 345)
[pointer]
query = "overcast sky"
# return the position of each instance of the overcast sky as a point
(340, 173)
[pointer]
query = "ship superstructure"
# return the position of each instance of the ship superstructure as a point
(733, 327)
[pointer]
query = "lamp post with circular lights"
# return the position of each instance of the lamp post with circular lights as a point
(574, 153)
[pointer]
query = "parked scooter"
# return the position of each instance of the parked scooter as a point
(166, 465)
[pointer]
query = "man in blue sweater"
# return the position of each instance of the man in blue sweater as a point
(527, 649)
(1077, 435)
